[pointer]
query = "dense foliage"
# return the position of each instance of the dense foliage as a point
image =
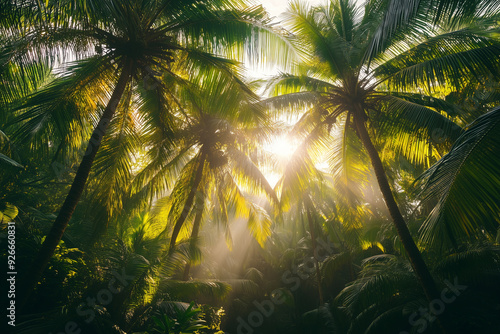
(136, 163)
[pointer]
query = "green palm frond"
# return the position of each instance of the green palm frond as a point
(450, 58)
(9, 161)
(466, 183)
(433, 102)
(475, 263)
(190, 251)
(250, 174)
(62, 111)
(288, 83)
(230, 200)
(348, 162)
(316, 38)
(113, 170)
(459, 11)
(410, 128)
(246, 287)
(181, 190)
(411, 15)
(163, 168)
(299, 173)
(195, 289)
(230, 31)
(19, 79)
(259, 223)
(381, 279)
(290, 104)
(345, 17)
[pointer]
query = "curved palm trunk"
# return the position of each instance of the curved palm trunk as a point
(420, 268)
(187, 206)
(416, 260)
(194, 237)
(314, 248)
(56, 232)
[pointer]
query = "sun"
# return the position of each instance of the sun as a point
(281, 150)
(282, 147)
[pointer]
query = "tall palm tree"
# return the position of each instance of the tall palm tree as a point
(337, 79)
(125, 44)
(212, 157)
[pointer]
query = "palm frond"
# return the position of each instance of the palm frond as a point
(415, 130)
(112, 167)
(466, 183)
(316, 37)
(287, 83)
(61, 112)
(474, 264)
(250, 174)
(195, 289)
(451, 58)
(409, 15)
(348, 163)
(234, 32)
(9, 161)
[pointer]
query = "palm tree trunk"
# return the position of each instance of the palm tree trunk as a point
(417, 262)
(194, 237)
(56, 232)
(187, 206)
(308, 204)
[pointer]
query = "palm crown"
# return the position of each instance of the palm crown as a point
(134, 53)
(345, 78)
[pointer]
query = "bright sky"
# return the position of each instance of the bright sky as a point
(276, 7)
(282, 147)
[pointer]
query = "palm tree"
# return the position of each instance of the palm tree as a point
(126, 45)
(222, 121)
(339, 82)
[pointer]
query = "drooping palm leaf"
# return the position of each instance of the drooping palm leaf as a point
(466, 183)
(407, 14)
(450, 57)
(416, 130)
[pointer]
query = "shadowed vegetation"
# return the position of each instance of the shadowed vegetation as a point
(157, 186)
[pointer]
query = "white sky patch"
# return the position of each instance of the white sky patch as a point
(276, 7)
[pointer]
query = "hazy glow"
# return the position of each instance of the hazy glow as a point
(281, 148)
(272, 177)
